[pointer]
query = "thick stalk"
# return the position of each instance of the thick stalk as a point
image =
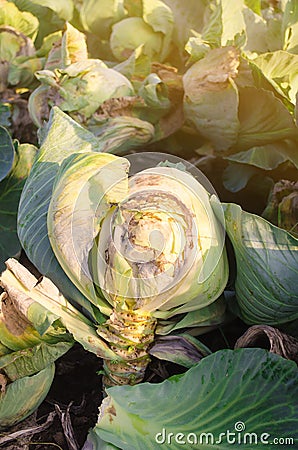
(129, 334)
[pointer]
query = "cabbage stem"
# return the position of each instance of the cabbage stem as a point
(129, 334)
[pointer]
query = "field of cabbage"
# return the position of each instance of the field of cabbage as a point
(148, 224)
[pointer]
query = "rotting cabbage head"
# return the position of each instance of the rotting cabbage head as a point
(140, 250)
(134, 102)
(161, 242)
(150, 243)
(78, 89)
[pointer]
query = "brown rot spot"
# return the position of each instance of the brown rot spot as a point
(111, 412)
(15, 321)
(3, 383)
(151, 180)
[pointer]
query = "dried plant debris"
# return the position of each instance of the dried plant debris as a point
(20, 434)
(67, 426)
(273, 339)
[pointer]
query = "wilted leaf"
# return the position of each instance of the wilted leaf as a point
(30, 361)
(23, 396)
(136, 67)
(82, 87)
(45, 296)
(16, 328)
(47, 43)
(22, 70)
(25, 433)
